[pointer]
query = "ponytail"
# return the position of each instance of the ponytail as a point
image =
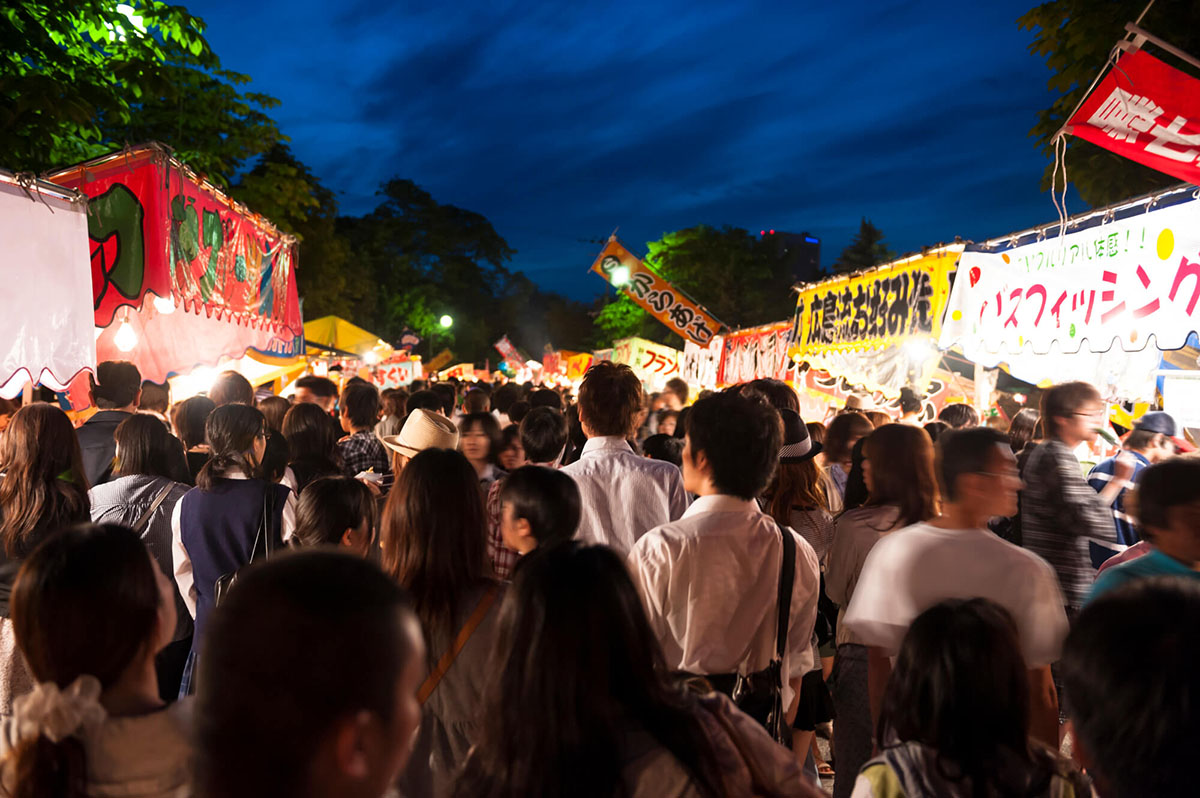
(42, 768)
(230, 432)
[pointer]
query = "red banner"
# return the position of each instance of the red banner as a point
(760, 353)
(1148, 112)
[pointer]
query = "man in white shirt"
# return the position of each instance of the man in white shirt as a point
(710, 580)
(624, 495)
(955, 556)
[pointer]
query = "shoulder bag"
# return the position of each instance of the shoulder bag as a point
(460, 640)
(263, 538)
(144, 521)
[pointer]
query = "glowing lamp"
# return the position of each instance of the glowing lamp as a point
(446, 322)
(125, 339)
(164, 305)
(370, 358)
(620, 276)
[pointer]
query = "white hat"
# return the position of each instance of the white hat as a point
(423, 430)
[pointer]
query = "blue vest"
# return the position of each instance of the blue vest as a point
(218, 529)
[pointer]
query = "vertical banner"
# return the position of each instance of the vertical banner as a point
(699, 364)
(509, 353)
(760, 353)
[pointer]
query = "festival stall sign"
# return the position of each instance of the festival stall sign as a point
(397, 373)
(578, 364)
(822, 393)
(655, 295)
(698, 365)
(510, 354)
(1098, 303)
(462, 371)
(45, 324)
(654, 363)
(155, 227)
(756, 353)
(439, 360)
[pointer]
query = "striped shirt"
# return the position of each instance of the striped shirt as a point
(1100, 476)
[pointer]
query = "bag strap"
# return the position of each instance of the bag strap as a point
(144, 521)
(787, 577)
(264, 525)
(464, 634)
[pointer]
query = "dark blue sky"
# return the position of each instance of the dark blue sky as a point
(562, 120)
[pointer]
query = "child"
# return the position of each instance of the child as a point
(539, 506)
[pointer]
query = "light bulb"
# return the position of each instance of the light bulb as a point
(125, 339)
(370, 358)
(620, 276)
(164, 305)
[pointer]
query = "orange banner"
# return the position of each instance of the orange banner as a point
(655, 295)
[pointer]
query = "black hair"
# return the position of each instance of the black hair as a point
(231, 388)
(936, 429)
(322, 387)
(189, 417)
(490, 427)
(545, 397)
(959, 415)
(275, 457)
(1063, 401)
(448, 394)
(423, 400)
(145, 447)
(543, 434)
(856, 484)
(1023, 429)
(778, 394)
(360, 404)
(230, 432)
(741, 437)
(329, 506)
(266, 697)
(476, 401)
(909, 401)
(518, 410)
(1162, 486)
(663, 447)
(510, 435)
(548, 499)
(312, 443)
(1139, 439)
(1137, 732)
(573, 633)
(965, 451)
(116, 384)
(504, 397)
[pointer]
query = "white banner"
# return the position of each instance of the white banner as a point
(699, 364)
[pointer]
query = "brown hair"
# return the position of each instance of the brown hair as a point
(433, 536)
(902, 472)
(274, 410)
(1023, 429)
(799, 485)
(231, 388)
(610, 398)
(816, 432)
(144, 446)
(1064, 400)
(841, 434)
(44, 487)
(189, 416)
(878, 418)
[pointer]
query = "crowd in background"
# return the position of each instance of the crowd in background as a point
(460, 589)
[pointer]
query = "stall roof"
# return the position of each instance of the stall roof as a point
(335, 334)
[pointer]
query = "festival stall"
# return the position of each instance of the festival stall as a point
(222, 277)
(699, 365)
(653, 363)
(45, 327)
(755, 353)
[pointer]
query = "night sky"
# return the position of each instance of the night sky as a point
(561, 121)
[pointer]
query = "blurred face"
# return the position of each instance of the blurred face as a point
(474, 443)
(306, 396)
(1161, 448)
(667, 425)
(515, 531)
(1084, 424)
(512, 457)
(993, 492)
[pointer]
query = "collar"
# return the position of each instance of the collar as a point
(108, 415)
(1141, 457)
(722, 503)
(605, 442)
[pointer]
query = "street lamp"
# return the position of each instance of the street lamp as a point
(446, 322)
(619, 276)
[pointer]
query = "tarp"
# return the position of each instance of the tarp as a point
(45, 316)
(336, 333)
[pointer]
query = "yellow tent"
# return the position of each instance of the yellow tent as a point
(334, 334)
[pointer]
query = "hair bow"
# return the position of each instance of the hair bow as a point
(59, 713)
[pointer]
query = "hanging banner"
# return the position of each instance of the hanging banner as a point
(463, 371)
(440, 360)
(653, 363)
(509, 353)
(1146, 111)
(655, 295)
(699, 364)
(759, 353)
(1116, 283)
(877, 308)
(397, 375)
(577, 365)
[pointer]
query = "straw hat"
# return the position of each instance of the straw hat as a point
(860, 403)
(423, 430)
(798, 446)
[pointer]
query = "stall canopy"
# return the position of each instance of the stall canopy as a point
(221, 276)
(1099, 303)
(338, 336)
(45, 327)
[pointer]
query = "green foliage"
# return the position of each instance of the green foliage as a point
(1075, 37)
(866, 250)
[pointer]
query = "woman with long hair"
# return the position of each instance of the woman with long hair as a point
(480, 440)
(433, 540)
(143, 497)
(43, 488)
(188, 418)
(840, 436)
(955, 715)
(312, 446)
(901, 490)
(1022, 431)
(230, 517)
(91, 609)
(582, 704)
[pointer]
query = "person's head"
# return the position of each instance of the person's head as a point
(359, 407)
(116, 385)
(777, 393)
(424, 400)
(448, 394)
(935, 429)
(433, 535)
(231, 388)
(545, 397)
(538, 506)
(311, 438)
(479, 437)
(573, 633)
(237, 438)
(512, 454)
(1021, 430)
(1166, 504)
(504, 397)
(156, 397)
(977, 471)
(960, 687)
(393, 402)
(44, 486)
(610, 398)
(799, 483)
(1073, 412)
(274, 409)
(856, 494)
(275, 457)
(188, 418)
(898, 469)
(320, 391)
(144, 447)
(518, 410)
(1133, 733)
(477, 401)
(336, 511)
(959, 415)
(308, 682)
(878, 418)
(423, 429)
(1153, 436)
(678, 387)
(732, 445)
(667, 421)
(910, 403)
(841, 435)
(664, 447)
(543, 435)
(816, 431)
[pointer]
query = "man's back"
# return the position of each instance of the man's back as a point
(624, 495)
(97, 445)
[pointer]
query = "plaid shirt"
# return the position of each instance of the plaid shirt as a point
(363, 451)
(503, 558)
(1060, 514)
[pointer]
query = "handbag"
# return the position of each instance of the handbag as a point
(225, 582)
(760, 694)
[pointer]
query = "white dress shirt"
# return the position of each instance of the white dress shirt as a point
(624, 495)
(911, 569)
(183, 561)
(710, 585)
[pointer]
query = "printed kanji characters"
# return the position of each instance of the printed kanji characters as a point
(1124, 115)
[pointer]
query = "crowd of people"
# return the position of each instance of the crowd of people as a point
(512, 592)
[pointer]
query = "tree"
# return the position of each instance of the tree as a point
(1075, 37)
(866, 250)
